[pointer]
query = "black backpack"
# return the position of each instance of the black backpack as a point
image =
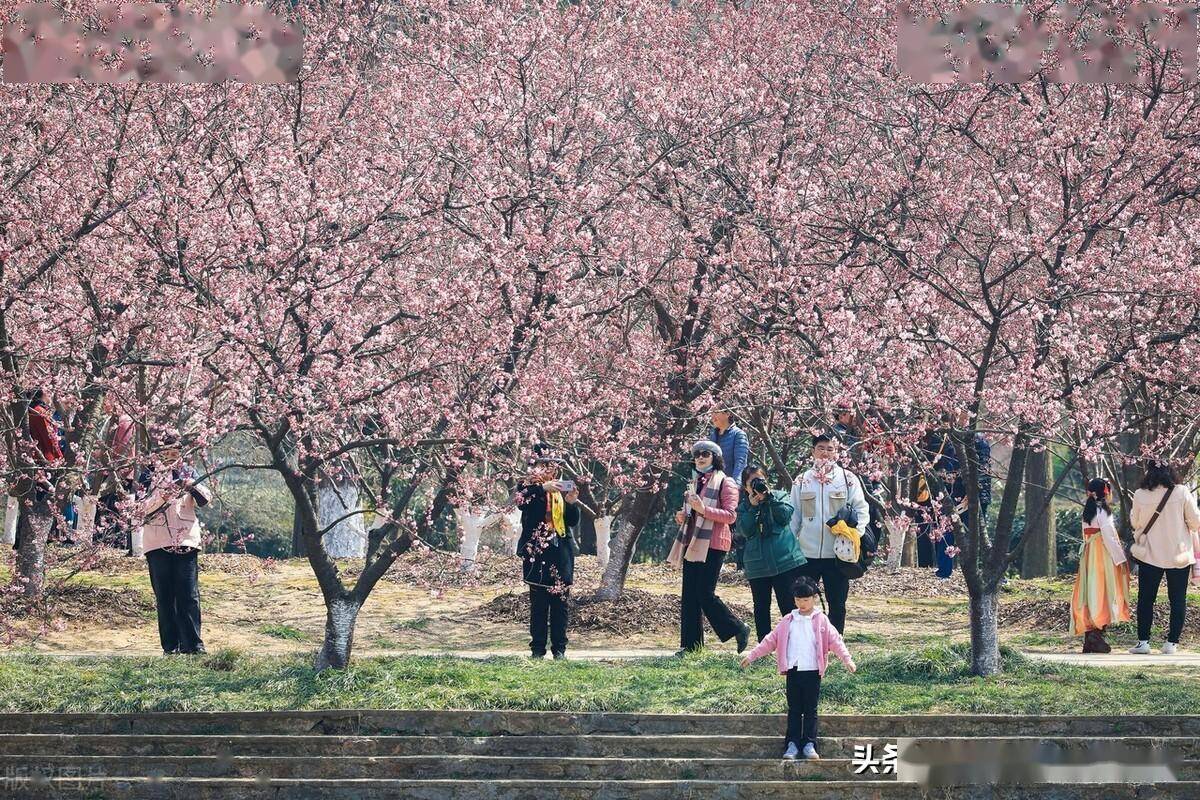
(867, 545)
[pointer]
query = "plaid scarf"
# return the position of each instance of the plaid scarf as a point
(695, 533)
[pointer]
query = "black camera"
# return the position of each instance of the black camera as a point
(759, 485)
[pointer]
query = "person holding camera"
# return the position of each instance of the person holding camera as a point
(548, 512)
(704, 540)
(772, 558)
(171, 538)
(818, 496)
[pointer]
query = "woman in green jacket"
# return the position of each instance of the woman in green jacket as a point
(773, 557)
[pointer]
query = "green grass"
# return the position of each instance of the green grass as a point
(930, 680)
(419, 624)
(280, 631)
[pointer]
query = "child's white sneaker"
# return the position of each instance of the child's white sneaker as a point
(810, 752)
(1140, 649)
(1168, 648)
(792, 752)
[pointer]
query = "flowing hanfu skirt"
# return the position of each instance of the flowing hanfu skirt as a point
(1101, 587)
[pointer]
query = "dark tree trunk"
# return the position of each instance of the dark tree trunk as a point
(33, 532)
(643, 507)
(341, 614)
(298, 548)
(985, 636)
(1040, 559)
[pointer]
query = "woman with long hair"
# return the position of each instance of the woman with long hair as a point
(1165, 520)
(1102, 584)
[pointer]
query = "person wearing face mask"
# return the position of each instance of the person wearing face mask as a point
(817, 495)
(700, 548)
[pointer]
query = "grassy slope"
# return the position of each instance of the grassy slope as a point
(932, 680)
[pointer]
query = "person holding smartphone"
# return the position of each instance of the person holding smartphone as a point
(704, 539)
(172, 544)
(549, 511)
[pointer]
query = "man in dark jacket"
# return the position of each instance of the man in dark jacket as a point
(548, 513)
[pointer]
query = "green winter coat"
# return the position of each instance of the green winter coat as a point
(771, 549)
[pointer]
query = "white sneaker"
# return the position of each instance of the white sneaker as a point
(792, 752)
(1169, 648)
(810, 752)
(1141, 649)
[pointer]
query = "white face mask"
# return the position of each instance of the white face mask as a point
(707, 468)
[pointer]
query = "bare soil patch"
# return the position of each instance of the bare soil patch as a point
(635, 612)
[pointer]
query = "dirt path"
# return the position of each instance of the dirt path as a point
(275, 608)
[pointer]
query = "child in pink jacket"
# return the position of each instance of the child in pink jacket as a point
(802, 642)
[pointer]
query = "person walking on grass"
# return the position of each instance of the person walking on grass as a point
(1101, 594)
(700, 548)
(1165, 522)
(802, 642)
(773, 557)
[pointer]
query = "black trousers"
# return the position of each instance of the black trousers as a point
(836, 586)
(175, 579)
(760, 590)
(803, 691)
(547, 607)
(925, 548)
(699, 600)
(1149, 578)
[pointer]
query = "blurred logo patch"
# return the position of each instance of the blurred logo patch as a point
(151, 42)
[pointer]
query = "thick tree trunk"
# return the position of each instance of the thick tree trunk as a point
(33, 532)
(1040, 559)
(341, 615)
(298, 548)
(348, 536)
(621, 546)
(985, 635)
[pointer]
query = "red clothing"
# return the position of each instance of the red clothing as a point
(45, 433)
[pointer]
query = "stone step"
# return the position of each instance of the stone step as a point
(425, 767)
(475, 723)
(346, 789)
(597, 746)
(603, 746)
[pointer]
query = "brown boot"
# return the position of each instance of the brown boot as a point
(1089, 642)
(1101, 645)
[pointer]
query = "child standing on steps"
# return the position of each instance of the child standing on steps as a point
(802, 642)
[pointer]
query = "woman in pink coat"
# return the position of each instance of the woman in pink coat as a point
(802, 642)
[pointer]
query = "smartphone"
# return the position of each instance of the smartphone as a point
(565, 486)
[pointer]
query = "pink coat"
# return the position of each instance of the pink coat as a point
(171, 520)
(723, 515)
(827, 637)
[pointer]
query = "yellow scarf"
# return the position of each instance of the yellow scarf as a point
(556, 513)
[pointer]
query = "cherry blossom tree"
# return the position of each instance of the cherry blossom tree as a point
(1023, 261)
